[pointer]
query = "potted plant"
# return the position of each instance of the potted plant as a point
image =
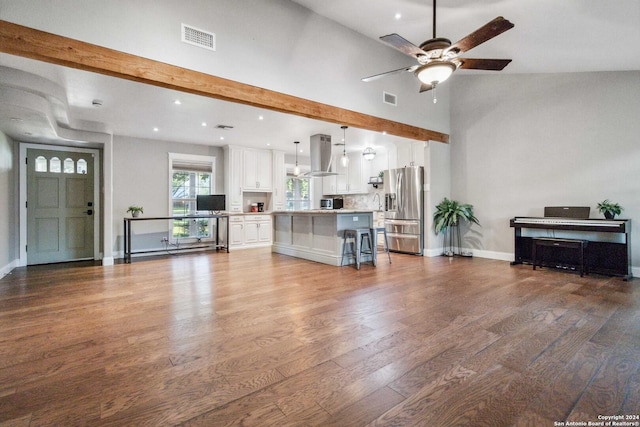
(448, 214)
(609, 209)
(135, 210)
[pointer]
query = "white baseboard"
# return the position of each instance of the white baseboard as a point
(106, 261)
(9, 267)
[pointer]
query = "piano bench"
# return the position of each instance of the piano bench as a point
(577, 244)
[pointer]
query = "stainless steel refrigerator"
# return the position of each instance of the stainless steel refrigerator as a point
(404, 209)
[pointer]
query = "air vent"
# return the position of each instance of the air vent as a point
(225, 127)
(198, 37)
(389, 98)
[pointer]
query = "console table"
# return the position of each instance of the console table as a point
(218, 244)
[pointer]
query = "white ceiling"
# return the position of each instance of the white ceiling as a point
(549, 36)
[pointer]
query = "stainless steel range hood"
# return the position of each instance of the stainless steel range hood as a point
(320, 154)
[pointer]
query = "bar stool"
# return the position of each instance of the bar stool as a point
(374, 232)
(358, 235)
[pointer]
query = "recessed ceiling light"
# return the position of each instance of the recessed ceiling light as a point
(222, 138)
(268, 144)
(204, 124)
(398, 15)
(156, 129)
(15, 119)
(260, 118)
(177, 102)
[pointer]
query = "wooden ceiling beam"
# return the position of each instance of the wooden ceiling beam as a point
(35, 44)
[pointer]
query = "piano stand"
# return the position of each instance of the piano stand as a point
(609, 243)
(540, 242)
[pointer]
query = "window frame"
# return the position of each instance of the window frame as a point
(190, 163)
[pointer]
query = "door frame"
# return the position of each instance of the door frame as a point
(23, 195)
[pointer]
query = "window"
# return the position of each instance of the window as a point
(298, 193)
(55, 165)
(82, 166)
(68, 165)
(190, 176)
(41, 164)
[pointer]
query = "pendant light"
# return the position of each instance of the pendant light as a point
(368, 153)
(344, 159)
(296, 169)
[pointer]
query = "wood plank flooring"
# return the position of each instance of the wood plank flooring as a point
(253, 338)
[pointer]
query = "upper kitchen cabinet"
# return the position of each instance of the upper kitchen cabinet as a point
(233, 172)
(350, 179)
(410, 154)
(258, 170)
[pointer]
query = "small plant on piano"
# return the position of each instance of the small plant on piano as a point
(609, 209)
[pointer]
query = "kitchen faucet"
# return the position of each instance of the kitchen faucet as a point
(379, 202)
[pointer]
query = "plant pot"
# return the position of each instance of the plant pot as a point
(609, 215)
(135, 214)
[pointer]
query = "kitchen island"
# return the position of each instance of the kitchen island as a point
(317, 235)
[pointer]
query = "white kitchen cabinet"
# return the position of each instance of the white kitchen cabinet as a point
(279, 181)
(258, 170)
(410, 154)
(233, 172)
(236, 230)
(351, 179)
(249, 230)
(257, 230)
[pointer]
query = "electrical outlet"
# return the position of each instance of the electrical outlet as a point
(355, 218)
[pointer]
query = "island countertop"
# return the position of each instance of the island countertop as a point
(324, 212)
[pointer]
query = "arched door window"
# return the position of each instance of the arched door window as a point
(81, 167)
(41, 164)
(69, 166)
(55, 165)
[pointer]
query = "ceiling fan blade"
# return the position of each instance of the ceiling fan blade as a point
(483, 64)
(425, 87)
(403, 45)
(400, 70)
(488, 31)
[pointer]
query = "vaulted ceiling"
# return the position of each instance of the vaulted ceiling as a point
(549, 36)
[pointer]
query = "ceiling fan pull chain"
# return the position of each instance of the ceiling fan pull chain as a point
(433, 91)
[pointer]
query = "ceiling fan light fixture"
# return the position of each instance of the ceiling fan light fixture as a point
(435, 72)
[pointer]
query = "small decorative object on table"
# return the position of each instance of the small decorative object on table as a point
(609, 209)
(135, 211)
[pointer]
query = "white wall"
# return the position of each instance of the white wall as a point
(522, 142)
(275, 44)
(8, 205)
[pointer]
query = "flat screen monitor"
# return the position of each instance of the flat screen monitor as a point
(211, 202)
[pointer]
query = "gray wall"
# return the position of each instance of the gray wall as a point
(141, 177)
(522, 142)
(8, 225)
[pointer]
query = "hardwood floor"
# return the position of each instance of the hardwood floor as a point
(258, 339)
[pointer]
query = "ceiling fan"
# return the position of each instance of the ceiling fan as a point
(438, 58)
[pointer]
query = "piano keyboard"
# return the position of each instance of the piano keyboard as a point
(569, 221)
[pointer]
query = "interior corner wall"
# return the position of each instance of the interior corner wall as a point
(438, 186)
(141, 177)
(8, 204)
(520, 142)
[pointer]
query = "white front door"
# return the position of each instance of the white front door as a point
(60, 206)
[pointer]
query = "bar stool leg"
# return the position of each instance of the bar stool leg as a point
(386, 244)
